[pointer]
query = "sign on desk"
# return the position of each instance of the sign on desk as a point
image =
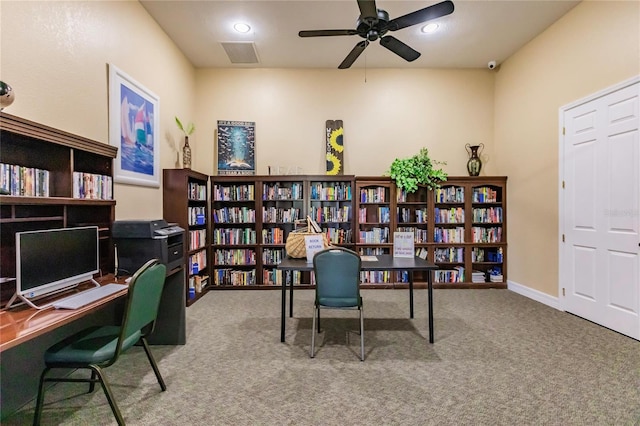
(313, 244)
(403, 244)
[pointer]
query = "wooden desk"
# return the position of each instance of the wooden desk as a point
(23, 323)
(385, 262)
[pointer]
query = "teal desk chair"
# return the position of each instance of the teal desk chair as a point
(337, 274)
(98, 347)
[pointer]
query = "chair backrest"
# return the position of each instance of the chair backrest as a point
(143, 299)
(337, 273)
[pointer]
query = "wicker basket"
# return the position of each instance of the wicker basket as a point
(295, 245)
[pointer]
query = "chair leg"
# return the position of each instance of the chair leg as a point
(313, 333)
(361, 334)
(92, 384)
(152, 361)
(40, 399)
(107, 392)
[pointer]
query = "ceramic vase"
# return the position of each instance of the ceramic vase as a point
(474, 164)
(186, 154)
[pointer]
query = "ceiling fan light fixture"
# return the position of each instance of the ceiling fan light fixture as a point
(430, 28)
(241, 27)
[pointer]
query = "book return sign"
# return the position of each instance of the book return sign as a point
(313, 244)
(403, 245)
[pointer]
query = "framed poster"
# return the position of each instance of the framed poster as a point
(134, 114)
(236, 148)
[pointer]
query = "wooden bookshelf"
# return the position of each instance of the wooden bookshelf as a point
(36, 146)
(185, 202)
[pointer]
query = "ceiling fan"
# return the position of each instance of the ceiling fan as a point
(374, 23)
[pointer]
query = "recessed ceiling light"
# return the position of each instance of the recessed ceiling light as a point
(242, 28)
(429, 28)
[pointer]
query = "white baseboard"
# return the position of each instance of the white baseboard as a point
(536, 295)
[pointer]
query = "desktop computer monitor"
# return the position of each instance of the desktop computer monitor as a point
(51, 260)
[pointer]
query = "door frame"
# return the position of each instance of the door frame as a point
(562, 269)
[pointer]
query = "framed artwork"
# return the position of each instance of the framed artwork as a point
(134, 114)
(236, 147)
(334, 147)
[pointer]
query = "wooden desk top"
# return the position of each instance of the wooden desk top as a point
(23, 323)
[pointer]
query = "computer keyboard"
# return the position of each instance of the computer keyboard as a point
(88, 296)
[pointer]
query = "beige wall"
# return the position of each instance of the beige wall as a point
(596, 45)
(55, 54)
(392, 114)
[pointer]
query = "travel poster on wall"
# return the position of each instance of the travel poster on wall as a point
(403, 244)
(335, 147)
(236, 148)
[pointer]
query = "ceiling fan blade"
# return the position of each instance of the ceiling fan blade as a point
(368, 10)
(399, 48)
(326, 33)
(353, 55)
(428, 13)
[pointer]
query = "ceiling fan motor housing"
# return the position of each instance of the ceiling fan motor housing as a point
(373, 29)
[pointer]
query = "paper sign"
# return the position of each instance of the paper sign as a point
(403, 245)
(313, 244)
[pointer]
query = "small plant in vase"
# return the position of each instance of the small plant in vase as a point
(419, 169)
(186, 149)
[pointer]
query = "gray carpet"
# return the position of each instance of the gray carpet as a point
(498, 359)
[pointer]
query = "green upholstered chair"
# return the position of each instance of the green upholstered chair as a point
(337, 276)
(98, 347)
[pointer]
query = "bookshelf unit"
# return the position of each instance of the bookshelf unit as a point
(29, 150)
(253, 215)
(184, 202)
(469, 231)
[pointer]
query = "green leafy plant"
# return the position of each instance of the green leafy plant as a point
(189, 129)
(409, 173)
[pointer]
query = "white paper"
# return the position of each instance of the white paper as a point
(403, 244)
(313, 244)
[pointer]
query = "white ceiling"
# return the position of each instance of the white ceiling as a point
(477, 32)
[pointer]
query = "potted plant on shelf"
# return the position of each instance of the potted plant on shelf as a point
(409, 173)
(186, 149)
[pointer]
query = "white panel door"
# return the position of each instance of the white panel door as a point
(600, 204)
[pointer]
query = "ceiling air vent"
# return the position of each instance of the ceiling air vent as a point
(241, 52)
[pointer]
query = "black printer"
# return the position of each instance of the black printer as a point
(137, 241)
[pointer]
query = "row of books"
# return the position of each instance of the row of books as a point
(402, 197)
(234, 215)
(373, 195)
(412, 215)
(452, 215)
(449, 194)
(234, 277)
(331, 214)
(24, 181)
(197, 262)
(480, 234)
(419, 235)
(486, 255)
(280, 215)
(374, 236)
(375, 277)
(488, 215)
(449, 235)
(233, 193)
(231, 236)
(336, 192)
(485, 195)
(449, 254)
(455, 275)
(234, 257)
(278, 277)
(277, 192)
(272, 256)
(338, 235)
(197, 239)
(273, 236)
(197, 191)
(382, 215)
(197, 215)
(92, 186)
